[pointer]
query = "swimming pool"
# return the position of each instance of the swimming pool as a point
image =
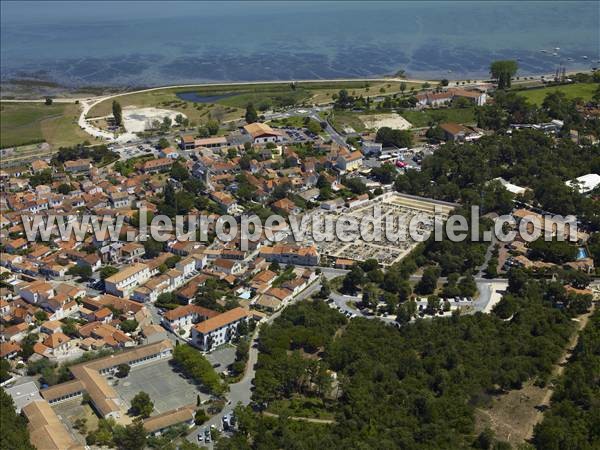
(582, 253)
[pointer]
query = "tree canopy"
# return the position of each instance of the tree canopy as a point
(503, 71)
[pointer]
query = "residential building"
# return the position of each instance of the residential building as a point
(157, 165)
(262, 133)
(184, 317)
(219, 330)
(121, 284)
(290, 254)
(228, 266)
(349, 162)
(79, 165)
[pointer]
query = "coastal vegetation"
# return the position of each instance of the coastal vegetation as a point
(32, 123)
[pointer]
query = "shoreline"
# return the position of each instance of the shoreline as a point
(72, 97)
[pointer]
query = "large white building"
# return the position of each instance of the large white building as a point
(261, 133)
(218, 330)
(123, 283)
(586, 183)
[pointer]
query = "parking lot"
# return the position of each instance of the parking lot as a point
(167, 389)
(221, 357)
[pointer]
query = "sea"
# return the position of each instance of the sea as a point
(140, 43)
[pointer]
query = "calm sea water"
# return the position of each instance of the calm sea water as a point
(156, 43)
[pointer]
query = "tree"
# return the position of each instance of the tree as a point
(166, 123)
(83, 272)
(40, 315)
(152, 248)
(398, 138)
(251, 114)
(141, 405)
(48, 101)
(123, 370)
(4, 370)
(344, 100)
(129, 325)
(467, 286)
(485, 440)
(242, 328)
(433, 304)
(402, 87)
(428, 281)
(325, 290)
(213, 127)
(14, 434)
(64, 188)
(179, 171)
(163, 143)
(353, 279)
(200, 417)
(554, 251)
(108, 271)
(193, 363)
(435, 135)
(503, 71)
(117, 113)
(131, 437)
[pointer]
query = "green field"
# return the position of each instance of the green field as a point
(264, 95)
(28, 123)
(344, 119)
(581, 90)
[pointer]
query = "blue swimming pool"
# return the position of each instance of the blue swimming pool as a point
(582, 253)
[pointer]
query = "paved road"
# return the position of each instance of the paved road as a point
(241, 392)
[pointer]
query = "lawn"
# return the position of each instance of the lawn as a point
(343, 119)
(310, 407)
(418, 119)
(582, 90)
(27, 123)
